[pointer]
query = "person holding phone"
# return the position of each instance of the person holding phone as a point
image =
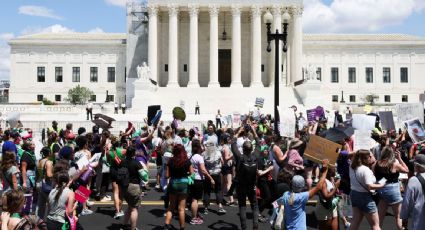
(387, 171)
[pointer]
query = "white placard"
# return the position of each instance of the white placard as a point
(409, 111)
(415, 130)
(287, 122)
(363, 122)
(362, 140)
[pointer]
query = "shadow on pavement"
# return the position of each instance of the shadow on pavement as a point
(221, 225)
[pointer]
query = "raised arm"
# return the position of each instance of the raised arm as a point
(319, 185)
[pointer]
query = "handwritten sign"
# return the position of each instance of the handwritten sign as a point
(387, 120)
(415, 130)
(362, 140)
(409, 111)
(287, 122)
(319, 148)
(363, 122)
(311, 115)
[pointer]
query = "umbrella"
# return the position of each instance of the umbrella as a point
(102, 124)
(179, 113)
(104, 117)
(339, 134)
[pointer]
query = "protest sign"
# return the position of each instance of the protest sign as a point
(259, 102)
(319, 148)
(415, 130)
(287, 122)
(311, 115)
(368, 108)
(387, 120)
(236, 118)
(226, 120)
(409, 111)
(362, 140)
(82, 194)
(363, 122)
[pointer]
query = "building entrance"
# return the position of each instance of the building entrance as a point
(225, 67)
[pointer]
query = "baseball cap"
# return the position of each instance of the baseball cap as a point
(298, 183)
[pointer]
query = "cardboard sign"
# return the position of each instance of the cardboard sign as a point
(409, 111)
(82, 194)
(287, 122)
(387, 120)
(362, 140)
(363, 122)
(259, 102)
(415, 130)
(319, 148)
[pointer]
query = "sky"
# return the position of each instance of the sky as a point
(24, 17)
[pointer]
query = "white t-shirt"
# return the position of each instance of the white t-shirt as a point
(196, 161)
(364, 176)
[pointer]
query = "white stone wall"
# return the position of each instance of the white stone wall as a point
(376, 56)
(25, 59)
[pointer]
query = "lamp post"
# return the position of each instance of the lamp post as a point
(276, 37)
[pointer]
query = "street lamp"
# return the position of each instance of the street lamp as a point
(268, 18)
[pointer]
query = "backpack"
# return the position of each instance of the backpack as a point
(123, 178)
(248, 170)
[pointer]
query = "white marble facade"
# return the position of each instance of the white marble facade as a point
(186, 36)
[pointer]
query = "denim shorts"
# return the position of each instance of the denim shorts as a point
(390, 193)
(363, 201)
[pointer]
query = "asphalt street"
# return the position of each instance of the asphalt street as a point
(151, 216)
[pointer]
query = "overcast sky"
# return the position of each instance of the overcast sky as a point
(22, 17)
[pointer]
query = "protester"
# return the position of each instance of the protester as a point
(362, 185)
(45, 173)
(12, 203)
(414, 198)
(115, 157)
(10, 172)
(389, 167)
(227, 166)
(178, 170)
(326, 209)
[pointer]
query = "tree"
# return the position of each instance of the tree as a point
(79, 95)
(370, 98)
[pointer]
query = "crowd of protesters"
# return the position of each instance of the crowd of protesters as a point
(247, 161)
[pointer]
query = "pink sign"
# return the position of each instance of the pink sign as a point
(82, 194)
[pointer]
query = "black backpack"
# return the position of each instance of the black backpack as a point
(123, 178)
(247, 170)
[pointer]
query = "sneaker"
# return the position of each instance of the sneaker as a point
(157, 187)
(196, 221)
(106, 199)
(221, 210)
(231, 204)
(89, 203)
(86, 212)
(262, 219)
(205, 212)
(118, 214)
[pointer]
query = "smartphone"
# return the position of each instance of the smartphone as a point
(382, 181)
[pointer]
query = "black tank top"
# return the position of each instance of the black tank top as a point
(381, 172)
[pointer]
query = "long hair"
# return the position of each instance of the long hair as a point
(179, 156)
(62, 179)
(12, 201)
(387, 159)
(9, 159)
(361, 157)
(196, 147)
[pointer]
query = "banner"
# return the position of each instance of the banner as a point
(409, 111)
(363, 122)
(362, 140)
(319, 148)
(287, 122)
(259, 102)
(387, 120)
(415, 130)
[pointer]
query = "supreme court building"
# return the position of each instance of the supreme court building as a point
(214, 53)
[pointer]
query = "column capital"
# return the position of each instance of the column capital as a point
(213, 9)
(297, 10)
(236, 10)
(193, 10)
(153, 10)
(276, 10)
(173, 9)
(256, 10)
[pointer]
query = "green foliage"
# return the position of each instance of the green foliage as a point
(47, 102)
(370, 98)
(79, 95)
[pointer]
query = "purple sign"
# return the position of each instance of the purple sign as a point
(311, 115)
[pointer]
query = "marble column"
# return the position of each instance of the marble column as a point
(153, 41)
(297, 46)
(277, 25)
(173, 12)
(236, 47)
(256, 46)
(213, 10)
(193, 46)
